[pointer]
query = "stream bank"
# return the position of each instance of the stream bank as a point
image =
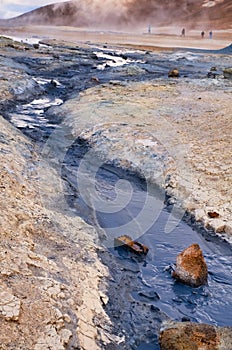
(174, 133)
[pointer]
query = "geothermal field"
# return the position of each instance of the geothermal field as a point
(106, 133)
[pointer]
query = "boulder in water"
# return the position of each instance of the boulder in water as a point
(191, 268)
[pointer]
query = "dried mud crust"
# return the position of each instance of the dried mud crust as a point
(187, 123)
(49, 270)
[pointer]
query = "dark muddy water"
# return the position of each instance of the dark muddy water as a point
(149, 280)
(142, 292)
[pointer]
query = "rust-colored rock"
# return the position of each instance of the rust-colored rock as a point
(128, 243)
(194, 336)
(213, 214)
(191, 268)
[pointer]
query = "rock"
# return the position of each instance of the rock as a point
(211, 75)
(228, 228)
(194, 336)
(52, 340)
(132, 69)
(216, 224)
(22, 90)
(53, 83)
(191, 268)
(213, 214)
(227, 72)
(9, 305)
(95, 79)
(174, 73)
(199, 214)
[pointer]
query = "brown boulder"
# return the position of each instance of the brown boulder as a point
(194, 336)
(191, 268)
(174, 73)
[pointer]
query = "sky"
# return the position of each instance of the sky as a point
(13, 8)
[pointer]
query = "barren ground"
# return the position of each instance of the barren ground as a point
(159, 37)
(46, 299)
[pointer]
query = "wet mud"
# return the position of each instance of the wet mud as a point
(142, 293)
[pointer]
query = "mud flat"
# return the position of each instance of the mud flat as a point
(172, 132)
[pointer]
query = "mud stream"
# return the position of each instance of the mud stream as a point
(142, 293)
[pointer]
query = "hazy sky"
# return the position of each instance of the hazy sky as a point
(12, 8)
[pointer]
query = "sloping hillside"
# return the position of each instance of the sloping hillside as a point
(129, 13)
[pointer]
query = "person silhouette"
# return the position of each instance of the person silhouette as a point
(202, 34)
(211, 34)
(183, 32)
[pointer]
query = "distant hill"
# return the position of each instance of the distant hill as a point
(216, 14)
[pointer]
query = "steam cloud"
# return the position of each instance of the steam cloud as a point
(131, 13)
(128, 12)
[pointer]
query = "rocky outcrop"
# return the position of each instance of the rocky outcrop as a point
(190, 267)
(194, 336)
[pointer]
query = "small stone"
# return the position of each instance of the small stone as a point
(173, 73)
(67, 318)
(65, 335)
(191, 268)
(211, 75)
(228, 228)
(199, 214)
(227, 72)
(213, 214)
(104, 298)
(61, 295)
(217, 225)
(185, 319)
(95, 79)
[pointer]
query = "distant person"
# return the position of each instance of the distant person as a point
(149, 29)
(211, 34)
(183, 32)
(202, 34)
